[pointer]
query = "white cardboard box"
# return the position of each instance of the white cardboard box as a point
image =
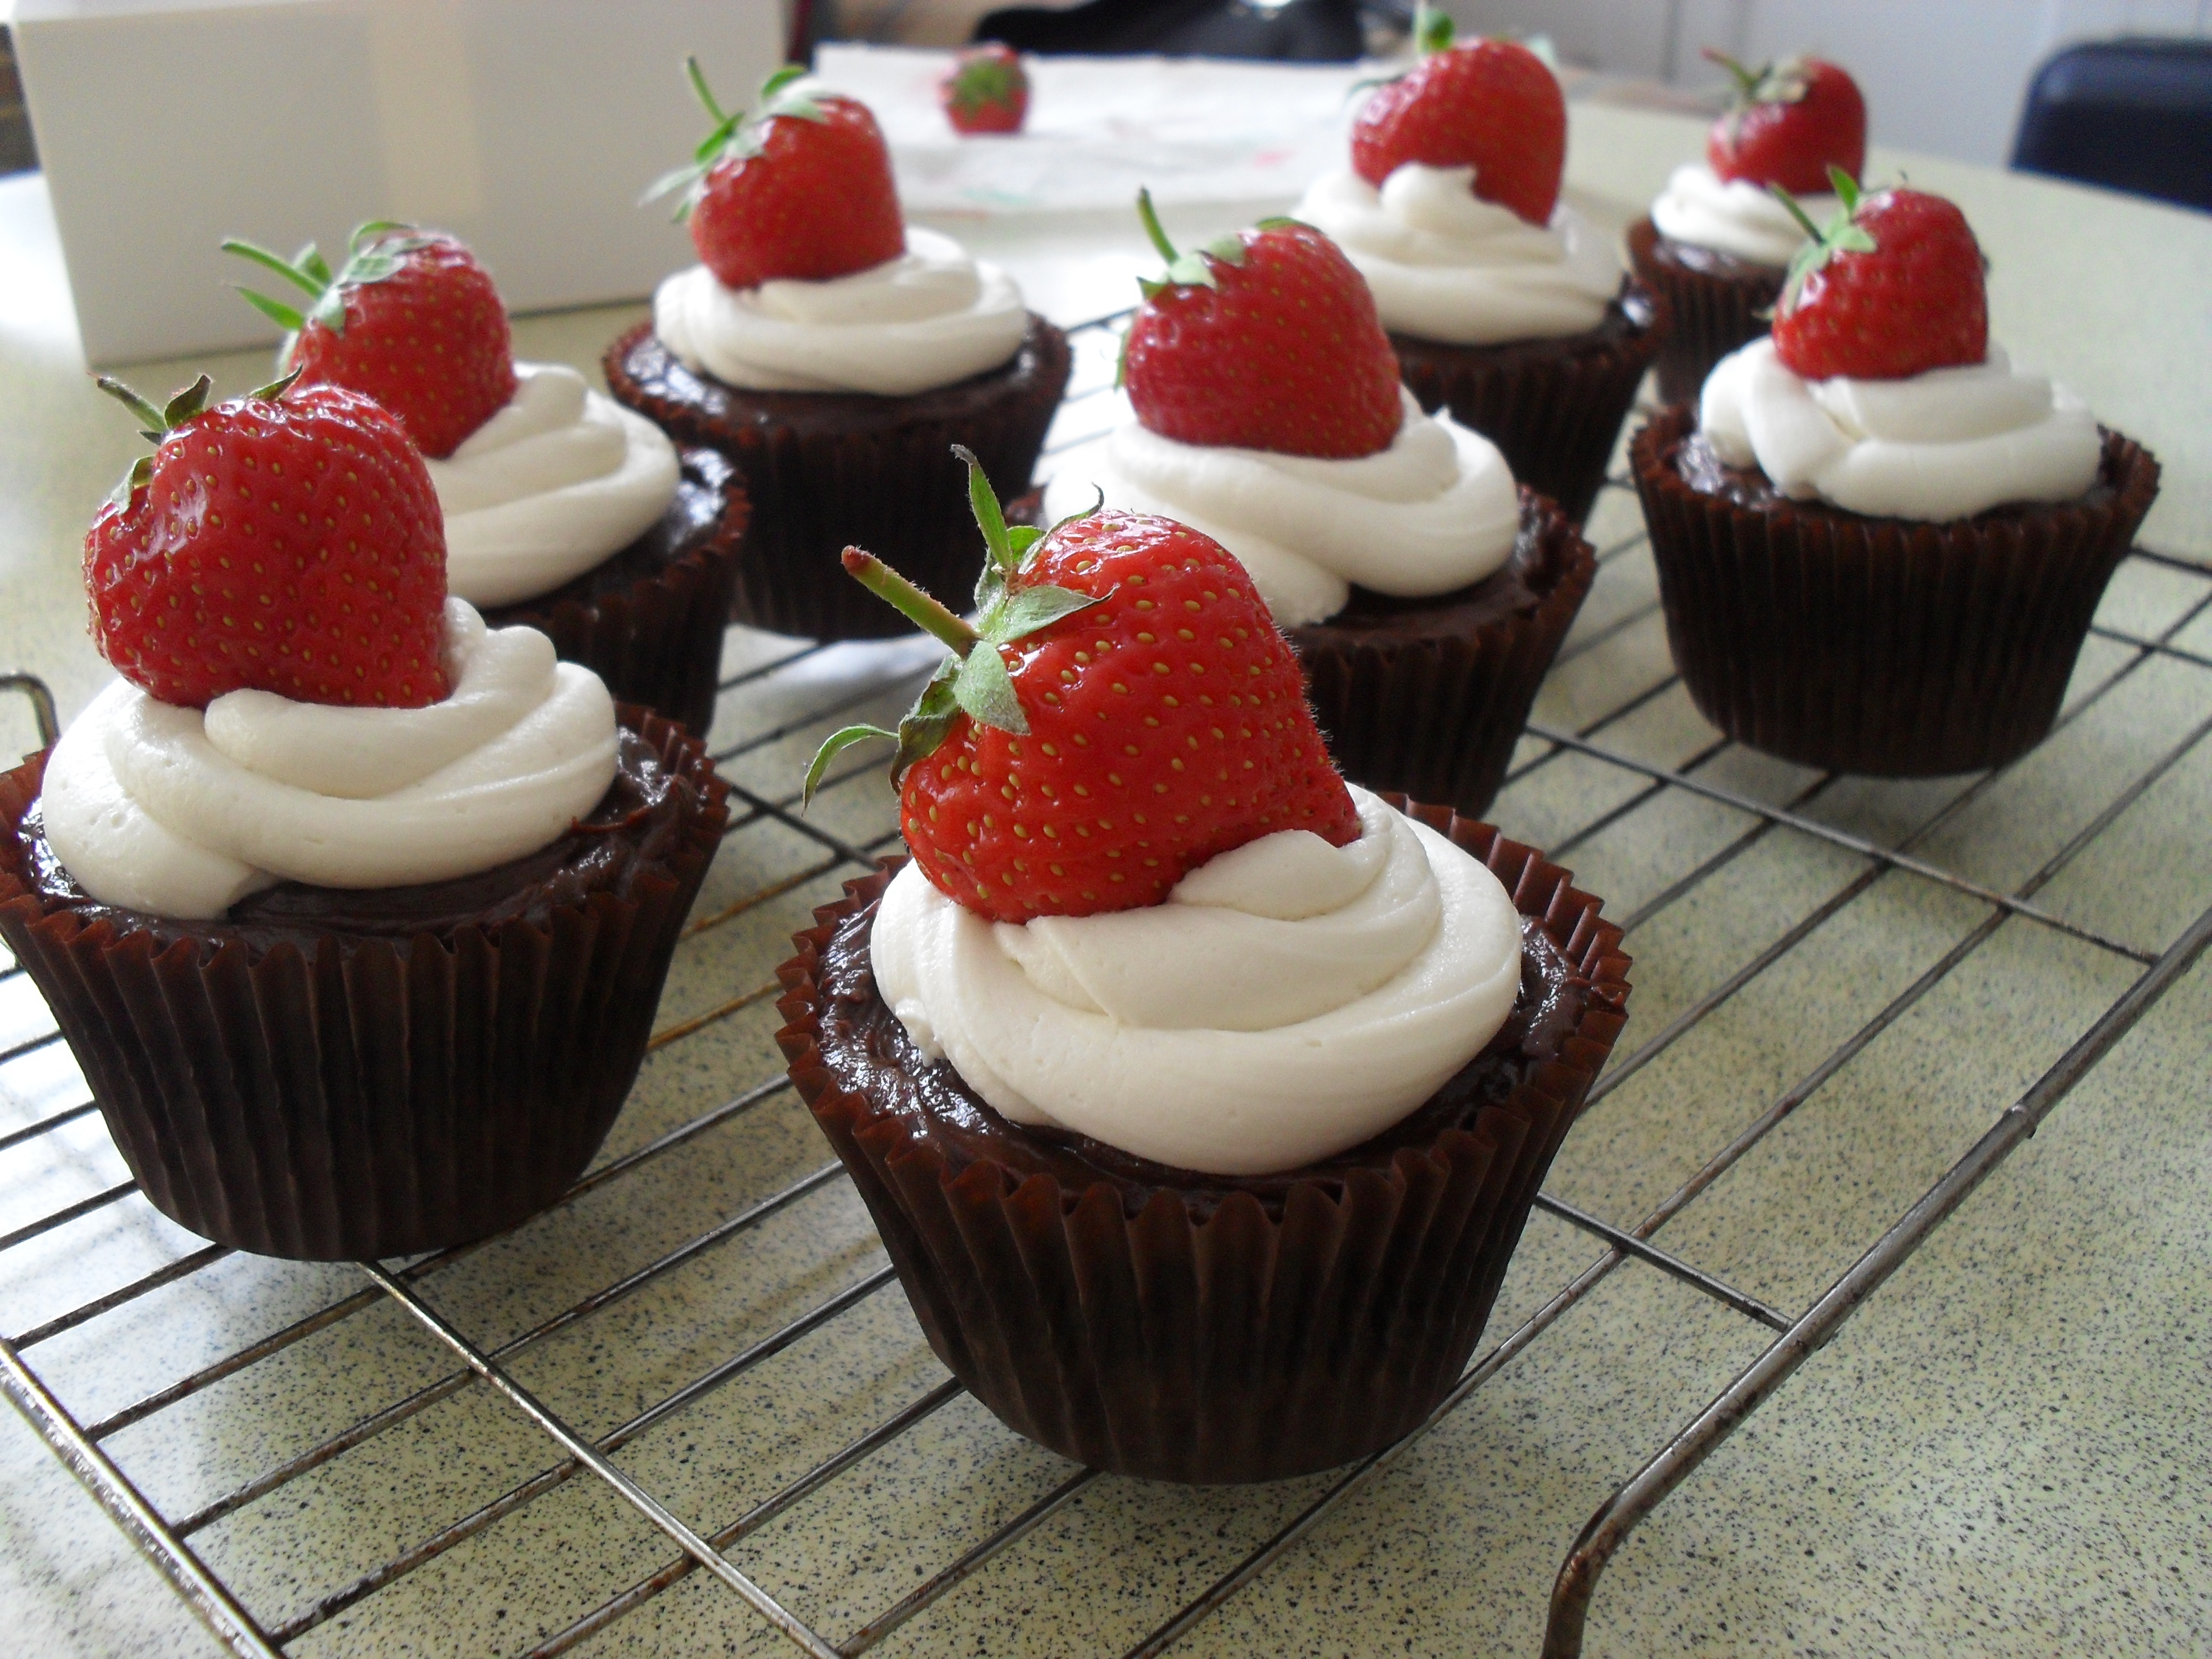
(526, 127)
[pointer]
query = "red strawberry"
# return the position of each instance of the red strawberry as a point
(1492, 106)
(1893, 287)
(288, 540)
(1266, 339)
(1123, 711)
(1791, 122)
(412, 320)
(802, 189)
(986, 91)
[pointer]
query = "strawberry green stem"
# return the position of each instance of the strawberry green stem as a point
(1796, 212)
(1151, 219)
(910, 602)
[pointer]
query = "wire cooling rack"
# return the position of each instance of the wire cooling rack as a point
(780, 697)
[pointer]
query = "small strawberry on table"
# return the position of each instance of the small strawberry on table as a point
(986, 91)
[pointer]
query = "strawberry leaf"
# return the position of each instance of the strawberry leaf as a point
(983, 502)
(832, 746)
(148, 414)
(926, 723)
(295, 270)
(1432, 29)
(1021, 537)
(1033, 608)
(186, 404)
(984, 688)
(282, 315)
(277, 387)
(140, 475)
(777, 81)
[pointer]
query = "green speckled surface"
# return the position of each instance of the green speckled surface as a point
(2008, 1451)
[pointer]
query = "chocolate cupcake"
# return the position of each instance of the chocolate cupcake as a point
(1554, 407)
(1878, 544)
(1504, 306)
(649, 621)
(329, 1075)
(826, 471)
(1199, 1097)
(353, 910)
(1715, 303)
(1173, 1325)
(833, 353)
(1426, 697)
(562, 511)
(1718, 244)
(1871, 644)
(1423, 592)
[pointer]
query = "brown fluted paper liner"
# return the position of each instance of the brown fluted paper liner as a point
(827, 471)
(1553, 407)
(351, 1096)
(649, 622)
(1882, 645)
(1710, 313)
(1184, 1330)
(1431, 702)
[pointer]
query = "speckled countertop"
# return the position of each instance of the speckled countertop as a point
(2009, 1451)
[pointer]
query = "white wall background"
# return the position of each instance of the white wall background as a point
(1946, 76)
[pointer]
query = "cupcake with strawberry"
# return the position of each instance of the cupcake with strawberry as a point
(831, 352)
(1880, 543)
(562, 511)
(354, 908)
(1503, 304)
(1718, 241)
(1424, 593)
(1200, 1099)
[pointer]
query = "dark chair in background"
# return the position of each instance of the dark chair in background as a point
(2131, 115)
(1302, 31)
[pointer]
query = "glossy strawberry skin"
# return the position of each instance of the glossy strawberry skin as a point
(1917, 303)
(1167, 725)
(1492, 106)
(430, 343)
(294, 545)
(1285, 353)
(816, 201)
(1794, 142)
(988, 91)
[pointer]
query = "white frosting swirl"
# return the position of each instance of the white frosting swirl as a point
(560, 479)
(159, 808)
(1290, 999)
(1434, 511)
(1945, 443)
(925, 319)
(1444, 264)
(1733, 216)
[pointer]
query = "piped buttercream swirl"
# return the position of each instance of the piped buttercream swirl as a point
(1733, 216)
(559, 480)
(183, 813)
(932, 316)
(1436, 511)
(1945, 443)
(1446, 265)
(1290, 999)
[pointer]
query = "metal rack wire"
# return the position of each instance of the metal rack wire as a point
(766, 701)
